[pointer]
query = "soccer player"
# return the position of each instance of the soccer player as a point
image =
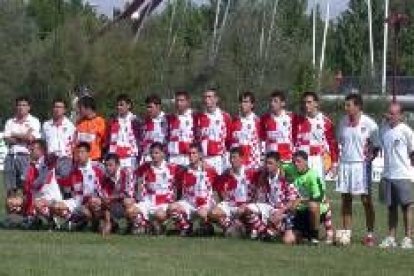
(196, 183)
(277, 127)
(237, 188)
(359, 144)
(213, 130)
(19, 132)
(85, 183)
(315, 134)
(397, 141)
(246, 132)
(91, 128)
(276, 203)
(181, 126)
(117, 187)
(156, 189)
(154, 127)
(123, 133)
(314, 208)
(59, 134)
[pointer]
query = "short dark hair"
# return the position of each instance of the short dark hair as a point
(278, 94)
(356, 99)
(312, 94)
(196, 146)
(124, 98)
(87, 102)
(112, 156)
(22, 99)
(59, 100)
(301, 154)
(249, 95)
(211, 89)
(153, 99)
(182, 93)
(236, 150)
(157, 145)
(84, 145)
(273, 155)
(41, 143)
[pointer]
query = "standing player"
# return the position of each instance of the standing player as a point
(154, 127)
(91, 128)
(274, 209)
(181, 126)
(59, 134)
(397, 141)
(19, 132)
(213, 130)
(315, 135)
(85, 183)
(124, 133)
(236, 188)
(156, 190)
(196, 183)
(246, 132)
(277, 127)
(359, 143)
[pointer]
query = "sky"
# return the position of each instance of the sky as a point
(106, 6)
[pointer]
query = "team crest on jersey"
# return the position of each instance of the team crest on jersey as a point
(164, 175)
(363, 129)
(90, 177)
(249, 126)
(217, 122)
(396, 142)
(187, 122)
(318, 126)
(284, 123)
(65, 129)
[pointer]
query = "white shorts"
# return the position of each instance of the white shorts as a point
(148, 209)
(73, 205)
(228, 208)
(189, 209)
(50, 192)
(180, 159)
(219, 163)
(263, 209)
(354, 178)
(316, 163)
(128, 163)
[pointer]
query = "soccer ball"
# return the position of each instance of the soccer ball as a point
(342, 237)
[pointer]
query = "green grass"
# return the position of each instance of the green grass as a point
(61, 253)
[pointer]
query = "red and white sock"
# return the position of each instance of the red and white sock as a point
(139, 221)
(328, 224)
(225, 222)
(180, 220)
(257, 224)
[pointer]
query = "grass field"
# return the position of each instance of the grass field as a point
(61, 253)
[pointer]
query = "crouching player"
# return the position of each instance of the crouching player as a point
(156, 189)
(236, 188)
(117, 188)
(196, 182)
(85, 186)
(41, 187)
(313, 209)
(276, 204)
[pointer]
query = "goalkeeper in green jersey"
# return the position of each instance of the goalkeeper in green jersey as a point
(314, 208)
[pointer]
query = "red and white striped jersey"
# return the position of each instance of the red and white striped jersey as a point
(277, 192)
(246, 135)
(153, 130)
(316, 136)
(213, 131)
(180, 132)
(238, 188)
(121, 185)
(123, 136)
(157, 184)
(86, 181)
(277, 133)
(197, 185)
(59, 137)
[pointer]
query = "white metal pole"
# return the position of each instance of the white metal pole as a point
(384, 58)
(216, 23)
(325, 33)
(314, 34)
(371, 39)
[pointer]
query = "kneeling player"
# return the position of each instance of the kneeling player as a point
(156, 189)
(313, 208)
(277, 200)
(236, 187)
(85, 184)
(117, 188)
(196, 183)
